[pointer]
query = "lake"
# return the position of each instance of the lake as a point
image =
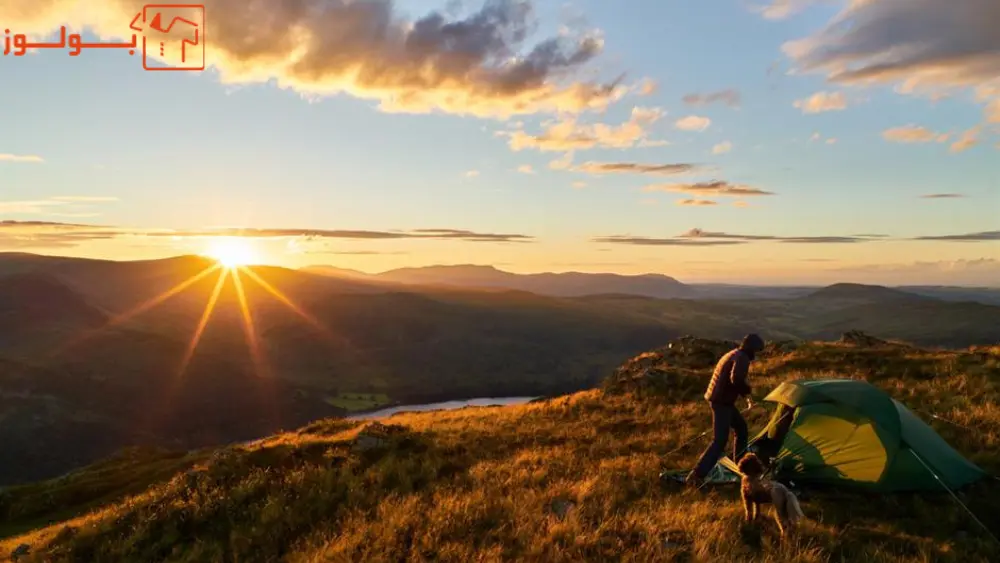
(445, 406)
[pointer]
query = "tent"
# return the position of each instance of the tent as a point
(849, 432)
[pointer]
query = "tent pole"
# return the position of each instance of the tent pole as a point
(950, 492)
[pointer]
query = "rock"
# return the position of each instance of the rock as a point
(20, 551)
(860, 339)
(377, 436)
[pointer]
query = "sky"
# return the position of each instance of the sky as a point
(741, 141)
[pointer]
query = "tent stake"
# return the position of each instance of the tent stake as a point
(950, 492)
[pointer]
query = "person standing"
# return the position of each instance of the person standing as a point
(729, 383)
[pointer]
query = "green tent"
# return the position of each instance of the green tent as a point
(850, 432)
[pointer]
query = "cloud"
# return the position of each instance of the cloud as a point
(699, 237)
(693, 123)
(969, 139)
(782, 9)
(696, 202)
(28, 207)
(920, 45)
(942, 196)
(85, 198)
(41, 234)
(483, 64)
(7, 157)
(914, 134)
(570, 135)
(472, 174)
(646, 241)
(636, 168)
(525, 169)
(821, 102)
(968, 237)
(728, 97)
(741, 204)
(718, 188)
(579, 185)
(647, 87)
(993, 111)
(722, 148)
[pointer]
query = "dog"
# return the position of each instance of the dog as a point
(756, 491)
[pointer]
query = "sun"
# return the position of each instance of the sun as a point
(232, 252)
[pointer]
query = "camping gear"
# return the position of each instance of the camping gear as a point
(850, 433)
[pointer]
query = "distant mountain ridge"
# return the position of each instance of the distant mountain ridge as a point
(565, 284)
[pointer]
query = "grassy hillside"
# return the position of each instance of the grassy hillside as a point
(568, 479)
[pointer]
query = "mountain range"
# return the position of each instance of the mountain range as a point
(578, 284)
(97, 355)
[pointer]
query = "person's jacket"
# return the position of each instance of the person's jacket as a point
(729, 380)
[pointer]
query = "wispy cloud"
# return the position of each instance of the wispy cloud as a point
(472, 174)
(84, 198)
(967, 237)
(7, 157)
(942, 196)
(699, 237)
(486, 63)
(648, 241)
(525, 169)
(571, 135)
(637, 168)
(41, 234)
(696, 202)
(722, 148)
(783, 9)
(693, 123)
(728, 97)
(821, 102)
(38, 206)
(579, 185)
(718, 188)
(914, 134)
(969, 139)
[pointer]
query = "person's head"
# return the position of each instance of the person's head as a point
(752, 344)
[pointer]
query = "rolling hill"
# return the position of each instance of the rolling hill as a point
(572, 478)
(111, 344)
(104, 348)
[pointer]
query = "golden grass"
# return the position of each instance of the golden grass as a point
(571, 479)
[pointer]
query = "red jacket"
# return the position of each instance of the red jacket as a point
(729, 381)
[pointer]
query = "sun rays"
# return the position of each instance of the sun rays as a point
(233, 258)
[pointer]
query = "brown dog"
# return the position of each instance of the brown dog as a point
(757, 491)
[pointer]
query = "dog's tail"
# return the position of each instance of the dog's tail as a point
(793, 507)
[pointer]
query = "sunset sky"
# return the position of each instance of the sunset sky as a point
(796, 141)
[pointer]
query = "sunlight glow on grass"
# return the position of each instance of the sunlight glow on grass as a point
(232, 252)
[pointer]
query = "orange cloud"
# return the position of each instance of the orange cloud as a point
(914, 134)
(568, 134)
(821, 102)
(717, 188)
(481, 64)
(693, 123)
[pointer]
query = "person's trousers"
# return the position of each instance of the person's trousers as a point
(724, 418)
